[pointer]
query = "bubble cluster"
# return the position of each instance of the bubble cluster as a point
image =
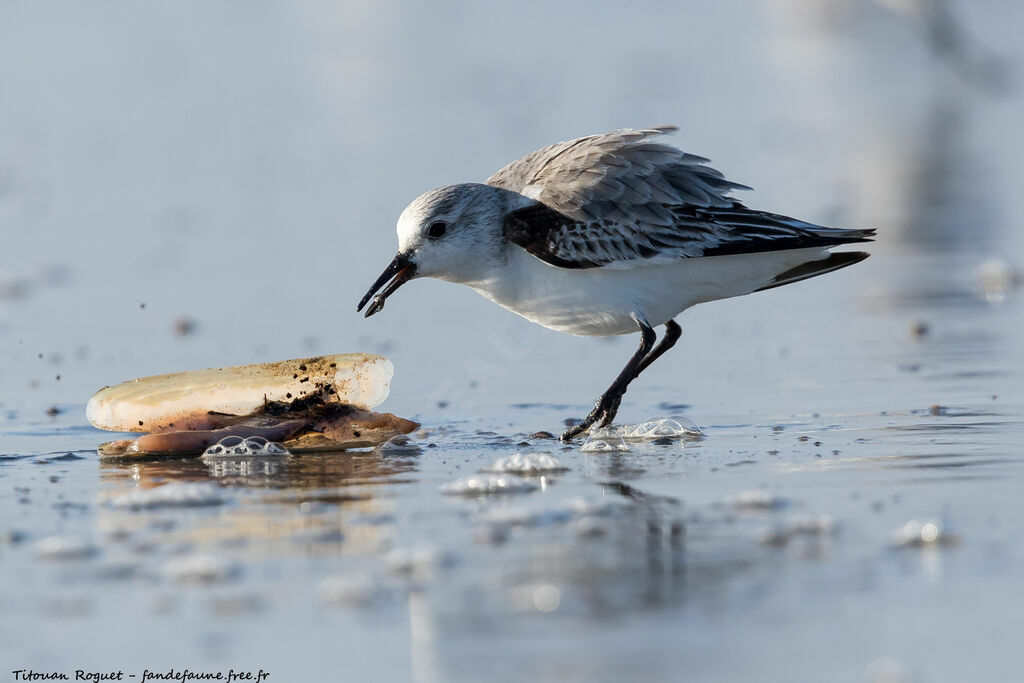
(399, 445)
(757, 500)
(201, 570)
(660, 428)
(231, 446)
(173, 495)
(611, 439)
(526, 464)
(916, 534)
(352, 590)
(487, 485)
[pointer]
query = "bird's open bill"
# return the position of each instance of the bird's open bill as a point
(399, 271)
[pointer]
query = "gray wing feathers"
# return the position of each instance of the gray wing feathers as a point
(615, 175)
(620, 197)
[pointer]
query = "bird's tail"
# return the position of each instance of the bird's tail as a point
(815, 268)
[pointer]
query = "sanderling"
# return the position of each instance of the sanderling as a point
(604, 235)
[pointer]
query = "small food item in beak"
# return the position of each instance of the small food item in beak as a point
(399, 271)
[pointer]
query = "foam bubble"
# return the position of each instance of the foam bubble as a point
(917, 534)
(399, 445)
(604, 440)
(526, 464)
(660, 428)
(173, 495)
(352, 590)
(757, 499)
(201, 569)
(487, 485)
(231, 446)
(563, 512)
(62, 548)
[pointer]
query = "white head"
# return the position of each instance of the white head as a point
(452, 233)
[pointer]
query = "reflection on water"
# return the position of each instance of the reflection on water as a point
(299, 473)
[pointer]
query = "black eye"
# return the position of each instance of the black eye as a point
(436, 230)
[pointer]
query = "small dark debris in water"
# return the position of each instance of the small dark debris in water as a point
(777, 428)
(803, 438)
(53, 411)
(542, 435)
(773, 452)
(523, 444)
(817, 443)
(142, 305)
(184, 327)
(570, 421)
(937, 410)
(14, 537)
(54, 478)
(68, 505)
(58, 378)
(919, 329)
(836, 452)
(740, 462)
(663, 441)
(668, 405)
(442, 404)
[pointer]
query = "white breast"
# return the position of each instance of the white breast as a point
(600, 301)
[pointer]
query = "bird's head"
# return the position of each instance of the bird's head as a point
(451, 233)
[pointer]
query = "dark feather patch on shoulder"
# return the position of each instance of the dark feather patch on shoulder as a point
(534, 227)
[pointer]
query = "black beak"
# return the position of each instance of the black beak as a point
(402, 270)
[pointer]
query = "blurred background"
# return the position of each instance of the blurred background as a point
(198, 184)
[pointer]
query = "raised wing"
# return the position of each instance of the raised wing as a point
(619, 199)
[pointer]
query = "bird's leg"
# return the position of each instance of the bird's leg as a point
(608, 404)
(672, 333)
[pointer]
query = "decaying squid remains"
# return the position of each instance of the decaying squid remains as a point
(308, 404)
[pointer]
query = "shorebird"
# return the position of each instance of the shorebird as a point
(606, 235)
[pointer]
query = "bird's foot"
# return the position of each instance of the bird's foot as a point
(601, 416)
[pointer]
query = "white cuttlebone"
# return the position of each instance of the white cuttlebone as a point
(182, 399)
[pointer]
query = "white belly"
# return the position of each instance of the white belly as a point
(601, 301)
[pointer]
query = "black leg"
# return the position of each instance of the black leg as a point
(672, 332)
(608, 404)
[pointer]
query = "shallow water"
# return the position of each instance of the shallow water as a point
(234, 175)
